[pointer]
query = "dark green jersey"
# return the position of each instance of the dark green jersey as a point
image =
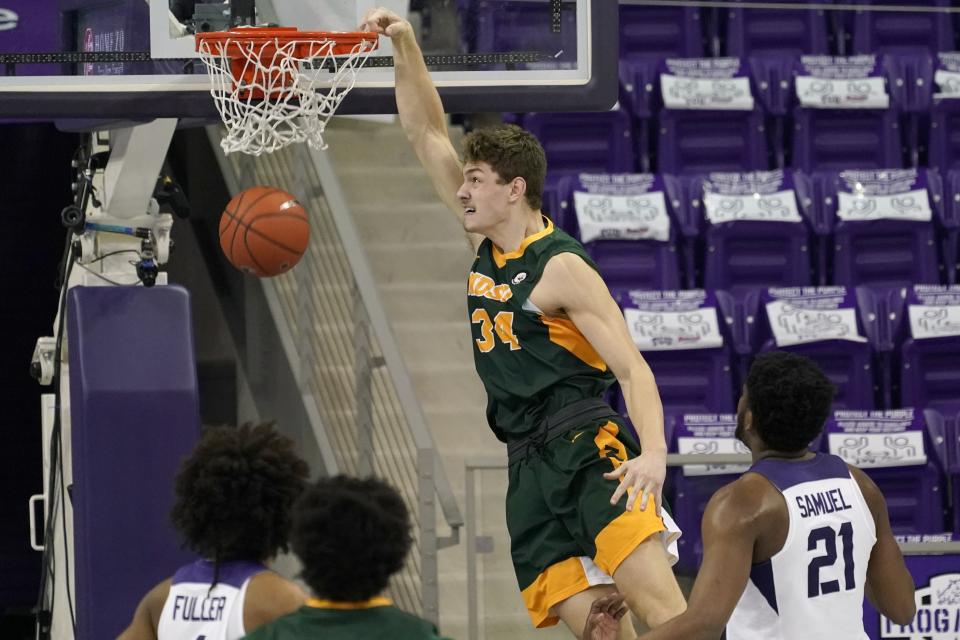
(531, 365)
(378, 621)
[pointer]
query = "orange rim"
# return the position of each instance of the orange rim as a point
(343, 41)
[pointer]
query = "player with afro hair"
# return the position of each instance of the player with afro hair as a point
(351, 535)
(234, 498)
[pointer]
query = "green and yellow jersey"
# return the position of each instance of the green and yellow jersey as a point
(531, 365)
(375, 619)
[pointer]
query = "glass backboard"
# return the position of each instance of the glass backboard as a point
(136, 58)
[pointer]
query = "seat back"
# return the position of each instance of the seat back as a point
(930, 356)
(884, 234)
(903, 32)
(694, 485)
(660, 32)
(944, 140)
(627, 225)
(588, 142)
(709, 120)
(845, 117)
(837, 139)
(899, 453)
(768, 32)
(686, 345)
(823, 324)
(755, 236)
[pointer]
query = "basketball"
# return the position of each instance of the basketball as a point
(264, 231)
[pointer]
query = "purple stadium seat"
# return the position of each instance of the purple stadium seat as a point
(951, 429)
(881, 313)
(911, 89)
(836, 139)
(660, 32)
(833, 138)
(813, 322)
(951, 224)
(755, 235)
(773, 79)
(930, 356)
(771, 32)
(872, 248)
(584, 142)
(701, 141)
(893, 457)
(638, 94)
(944, 142)
(690, 379)
(709, 121)
(903, 32)
(693, 485)
(632, 256)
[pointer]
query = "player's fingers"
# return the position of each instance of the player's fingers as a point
(381, 20)
(631, 495)
(618, 493)
(616, 473)
(644, 497)
(621, 610)
(369, 22)
(614, 603)
(658, 501)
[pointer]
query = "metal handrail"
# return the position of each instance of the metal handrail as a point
(362, 272)
(314, 175)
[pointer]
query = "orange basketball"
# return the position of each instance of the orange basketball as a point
(264, 231)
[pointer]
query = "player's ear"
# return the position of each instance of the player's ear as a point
(518, 188)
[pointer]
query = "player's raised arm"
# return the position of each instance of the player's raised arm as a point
(574, 288)
(890, 586)
(420, 109)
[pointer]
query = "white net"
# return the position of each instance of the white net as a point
(272, 92)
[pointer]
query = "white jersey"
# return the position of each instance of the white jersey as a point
(195, 611)
(812, 589)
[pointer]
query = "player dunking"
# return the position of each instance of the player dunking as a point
(548, 340)
(792, 546)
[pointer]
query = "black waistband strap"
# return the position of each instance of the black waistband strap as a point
(570, 417)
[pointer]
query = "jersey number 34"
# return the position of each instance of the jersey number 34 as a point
(502, 324)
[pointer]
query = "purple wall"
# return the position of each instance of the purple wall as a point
(28, 26)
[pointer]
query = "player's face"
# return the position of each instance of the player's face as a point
(484, 196)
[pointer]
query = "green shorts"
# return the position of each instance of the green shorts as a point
(565, 536)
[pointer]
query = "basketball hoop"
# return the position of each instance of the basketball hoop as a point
(274, 86)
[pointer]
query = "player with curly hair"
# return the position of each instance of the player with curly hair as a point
(790, 548)
(234, 496)
(351, 535)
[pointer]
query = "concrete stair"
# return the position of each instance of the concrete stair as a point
(421, 258)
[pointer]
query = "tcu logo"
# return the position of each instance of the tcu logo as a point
(8, 19)
(938, 612)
